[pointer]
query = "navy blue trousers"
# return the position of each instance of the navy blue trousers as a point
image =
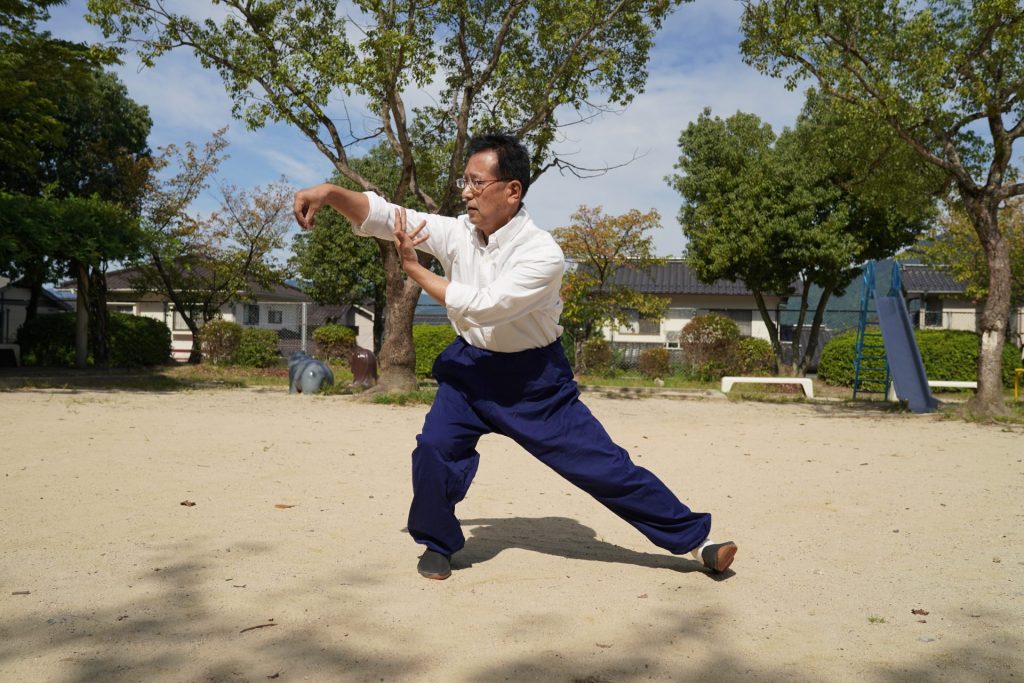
(530, 396)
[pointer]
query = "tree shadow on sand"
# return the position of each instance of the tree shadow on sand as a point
(561, 537)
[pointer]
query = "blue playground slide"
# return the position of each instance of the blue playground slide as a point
(903, 355)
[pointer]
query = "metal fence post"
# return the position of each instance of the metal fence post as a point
(302, 331)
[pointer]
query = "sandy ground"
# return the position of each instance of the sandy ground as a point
(847, 521)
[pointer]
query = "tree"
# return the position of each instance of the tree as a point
(515, 65)
(786, 213)
(597, 246)
(200, 264)
(946, 76)
(70, 130)
(952, 245)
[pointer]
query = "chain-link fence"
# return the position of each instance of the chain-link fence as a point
(295, 323)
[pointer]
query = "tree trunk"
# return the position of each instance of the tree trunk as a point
(99, 317)
(397, 355)
(81, 314)
(812, 336)
(984, 216)
(773, 332)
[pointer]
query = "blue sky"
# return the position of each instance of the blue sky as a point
(695, 64)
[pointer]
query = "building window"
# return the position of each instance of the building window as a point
(121, 308)
(742, 318)
(274, 316)
(179, 324)
(638, 325)
(252, 314)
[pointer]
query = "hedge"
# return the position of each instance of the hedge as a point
(257, 348)
(950, 355)
(710, 344)
(334, 341)
(219, 340)
(135, 341)
(754, 357)
(429, 341)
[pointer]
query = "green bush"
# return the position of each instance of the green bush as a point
(257, 348)
(754, 357)
(597, 356)
(48, 340)
(429, 341)
(946, 354)
(654, 363)
(334, 341)
(137, 341)
(220, 340)
(710, 346)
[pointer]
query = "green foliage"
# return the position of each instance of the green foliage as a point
(429, 341)
(772, 210)
(754, 357)
(597, 356)
(709, 343)
(135, 341)
(334, 341)
(138, 341)
(257, 348)
(654, 363)
(219, 340)
(48, 340)
(950, 355)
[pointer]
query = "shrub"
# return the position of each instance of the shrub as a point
(48, 340)
(709, 343)
(219, 341)
(946, 354)
(754, 357)
(334, 341)
(429, 341)
(257, 348)
(654, 363)
(597, 356)
(137, 341)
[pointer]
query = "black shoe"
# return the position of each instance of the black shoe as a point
(434, 565)
(718, 556)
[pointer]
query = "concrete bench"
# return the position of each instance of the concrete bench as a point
(952, 384)
(804, 382)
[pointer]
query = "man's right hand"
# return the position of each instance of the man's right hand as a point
(308, 202)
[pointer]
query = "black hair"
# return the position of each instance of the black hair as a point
(513, 158)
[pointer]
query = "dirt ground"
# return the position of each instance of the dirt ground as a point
(873, 547)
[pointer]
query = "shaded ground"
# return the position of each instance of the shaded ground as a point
(847, 520)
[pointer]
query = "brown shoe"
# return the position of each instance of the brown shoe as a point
(718, 556)
(434, 565)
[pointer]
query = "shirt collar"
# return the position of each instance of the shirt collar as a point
(504, 235)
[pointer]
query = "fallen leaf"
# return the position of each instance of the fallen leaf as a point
(922, 621)
(642, 595)
(22, 593)
(921, 612)
(602, 645)
(253, 628)
(277, 675)
(187, 503)
(283, 506)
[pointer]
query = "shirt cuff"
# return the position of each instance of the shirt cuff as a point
(378, 220)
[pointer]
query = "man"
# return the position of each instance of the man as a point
(506, 372)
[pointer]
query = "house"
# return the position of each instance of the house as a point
(687, 298)
(284, 308)
(14, 297)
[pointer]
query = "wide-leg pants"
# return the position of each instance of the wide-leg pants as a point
(531, 397)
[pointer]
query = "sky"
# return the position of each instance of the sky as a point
(695, 64)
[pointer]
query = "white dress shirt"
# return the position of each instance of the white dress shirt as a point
(503, 295)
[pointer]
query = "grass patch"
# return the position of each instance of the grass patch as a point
(406, 398)
(875, 619)
(632, 380)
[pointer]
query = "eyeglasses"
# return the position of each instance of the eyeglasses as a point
(475, 186)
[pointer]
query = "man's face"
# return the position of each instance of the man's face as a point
(494, 203)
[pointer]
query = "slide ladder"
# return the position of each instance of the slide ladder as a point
(870, 364)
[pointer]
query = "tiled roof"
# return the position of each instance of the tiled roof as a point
(920, 279)
(674, 277)
(121, 280)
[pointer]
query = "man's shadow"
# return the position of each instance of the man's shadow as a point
(559, 536)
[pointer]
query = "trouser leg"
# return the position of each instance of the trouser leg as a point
(443, 465)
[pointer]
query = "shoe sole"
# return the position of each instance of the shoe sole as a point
(724, 557)
(435, 576)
